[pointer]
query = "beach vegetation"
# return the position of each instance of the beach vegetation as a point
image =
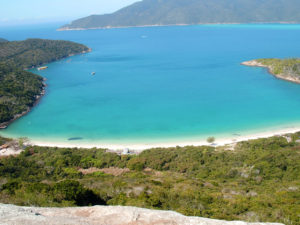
(258, 181)
(210, 139)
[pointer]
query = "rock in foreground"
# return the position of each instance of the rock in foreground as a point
(102, 215)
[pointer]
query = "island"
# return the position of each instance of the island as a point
(188, 12)
(19, 89)
(285, 69)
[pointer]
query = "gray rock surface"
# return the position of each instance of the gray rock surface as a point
(102, 215)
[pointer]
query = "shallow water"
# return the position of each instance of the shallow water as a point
(162, 83)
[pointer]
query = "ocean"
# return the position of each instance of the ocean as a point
(161, 84)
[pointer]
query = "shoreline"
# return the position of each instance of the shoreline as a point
(166, 25)
(138, 147)
(4, 125)
(255, 63)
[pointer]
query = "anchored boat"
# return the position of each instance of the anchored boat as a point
(42, 67)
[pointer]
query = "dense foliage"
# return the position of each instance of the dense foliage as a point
(19, 89)
(289, 67)
(258, 181)
(170, 12)
(35, 52)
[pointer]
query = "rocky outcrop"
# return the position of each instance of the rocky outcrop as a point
(102, 215)
(283, 76)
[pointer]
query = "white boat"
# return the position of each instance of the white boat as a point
(43, 68)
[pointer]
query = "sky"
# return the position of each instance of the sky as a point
(38, 11)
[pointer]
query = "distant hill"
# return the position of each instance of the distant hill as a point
(19, 89)
(35, 52)
(172, 12)
(3, 40)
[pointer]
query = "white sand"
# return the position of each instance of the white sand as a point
(10, 151)
(138, 147)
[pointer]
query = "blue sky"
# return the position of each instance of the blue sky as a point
(37, 11)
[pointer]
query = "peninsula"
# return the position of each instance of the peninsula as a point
(20, 89)
(188, 12)
(285, 69)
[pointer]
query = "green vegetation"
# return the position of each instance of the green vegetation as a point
(4, 140)
(170, 12)
(3, 40)
(210, 139)
(259, 181)
(20, 89)
(290, 67)
(35, 52)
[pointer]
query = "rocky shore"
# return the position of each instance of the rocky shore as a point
(286, 76)
(103, 215)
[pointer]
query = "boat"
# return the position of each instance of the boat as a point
(42, 67)
(93, 73)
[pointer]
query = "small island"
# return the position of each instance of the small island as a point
(19, 89)
(285, 69)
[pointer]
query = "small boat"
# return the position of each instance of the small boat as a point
(43, 68)
(93, 73)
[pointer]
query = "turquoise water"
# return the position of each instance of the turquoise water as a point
(162, 83)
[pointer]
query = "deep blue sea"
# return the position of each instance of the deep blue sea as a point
(157, 84)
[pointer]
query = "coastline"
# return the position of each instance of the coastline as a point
(165, 25)
(255, 63)
(142, 146)
(4, 125)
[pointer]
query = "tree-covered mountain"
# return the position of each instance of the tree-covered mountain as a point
(19, 89)
(171, 12)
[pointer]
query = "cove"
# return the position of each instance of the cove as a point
(162, 84)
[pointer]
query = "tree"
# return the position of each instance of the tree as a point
(210, 140)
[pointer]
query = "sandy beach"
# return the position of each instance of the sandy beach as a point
(140, 146)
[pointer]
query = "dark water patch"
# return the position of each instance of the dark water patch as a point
(75, 138)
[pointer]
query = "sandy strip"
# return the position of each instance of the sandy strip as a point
(10, 151)
(139, 147)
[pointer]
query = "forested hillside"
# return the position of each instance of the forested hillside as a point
(35, 52)
(170, 12)
(20, 89)
(258, 181)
